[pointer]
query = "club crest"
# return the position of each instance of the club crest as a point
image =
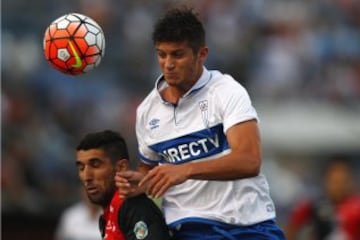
(140, 230)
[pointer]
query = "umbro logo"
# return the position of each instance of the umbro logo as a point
(154, 123)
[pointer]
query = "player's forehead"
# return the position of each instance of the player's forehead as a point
(172, 46)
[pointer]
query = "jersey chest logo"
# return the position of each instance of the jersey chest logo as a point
(192, 146)
(204, 112)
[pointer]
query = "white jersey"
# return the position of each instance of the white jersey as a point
(194, 130)
(76, 223)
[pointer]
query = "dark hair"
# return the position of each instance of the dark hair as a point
(113, 144)
(180, 25)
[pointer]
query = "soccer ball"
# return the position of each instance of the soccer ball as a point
(74, 44)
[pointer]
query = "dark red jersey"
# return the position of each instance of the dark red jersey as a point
(109, 220)
(327, 220)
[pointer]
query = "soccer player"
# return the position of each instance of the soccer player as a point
(333, 215)
(199, 143)
(99, 156)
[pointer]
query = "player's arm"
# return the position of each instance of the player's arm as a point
(243, 161)
(140, 218)
(144, 168)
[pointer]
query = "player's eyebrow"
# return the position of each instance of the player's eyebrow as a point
(90, 160)
(77, 163)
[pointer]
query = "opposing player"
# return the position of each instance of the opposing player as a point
(335, 214)
(199, 143)
(99, 156)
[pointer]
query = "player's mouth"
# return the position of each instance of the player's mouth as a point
(92, 190)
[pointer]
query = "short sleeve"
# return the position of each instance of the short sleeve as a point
(140, 218)
(145, 154)
(235, 105)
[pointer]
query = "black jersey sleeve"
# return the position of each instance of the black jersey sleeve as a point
(140, 218)
(102, 224)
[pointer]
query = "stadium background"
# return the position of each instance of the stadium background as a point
(300, 61)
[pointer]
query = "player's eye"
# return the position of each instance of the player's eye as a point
(80, 166)
(161, 54)
(178, 54)
(95, 162)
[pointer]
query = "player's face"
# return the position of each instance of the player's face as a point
(338, 182)
(179, 64)
(96, 172)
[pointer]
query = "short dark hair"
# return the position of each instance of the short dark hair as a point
(180, 25)
(112, 143)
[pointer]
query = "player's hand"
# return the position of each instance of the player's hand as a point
(159, 179)
(128, 183)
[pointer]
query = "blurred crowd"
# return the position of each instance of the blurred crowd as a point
(280, 50)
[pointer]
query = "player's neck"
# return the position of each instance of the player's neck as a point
(172, 94)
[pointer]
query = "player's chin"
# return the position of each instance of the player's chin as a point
(97, 198)
(171, 77)
(173, 82)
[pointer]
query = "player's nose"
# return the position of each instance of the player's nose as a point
(169, 63)
(87, 174)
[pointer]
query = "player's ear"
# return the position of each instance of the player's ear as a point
(203, 53)
(122, 165)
